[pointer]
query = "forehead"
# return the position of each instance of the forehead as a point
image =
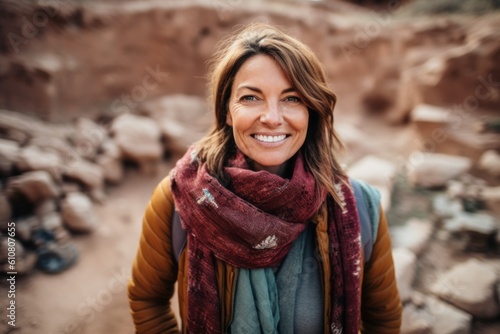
(262, 70)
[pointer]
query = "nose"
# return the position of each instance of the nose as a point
(272, 115)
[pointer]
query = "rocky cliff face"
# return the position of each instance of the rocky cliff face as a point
(92, 58)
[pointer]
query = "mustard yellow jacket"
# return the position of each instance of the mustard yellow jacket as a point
(155, 272)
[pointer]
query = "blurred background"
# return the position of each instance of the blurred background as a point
(99, 98)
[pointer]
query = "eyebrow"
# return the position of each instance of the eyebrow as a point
(258, 90)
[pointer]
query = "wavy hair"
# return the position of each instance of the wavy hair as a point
(306, 75)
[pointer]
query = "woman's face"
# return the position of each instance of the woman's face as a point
(268, 117)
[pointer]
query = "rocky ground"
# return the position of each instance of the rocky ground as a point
(105, 121)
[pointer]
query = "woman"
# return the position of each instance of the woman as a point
(273, 234)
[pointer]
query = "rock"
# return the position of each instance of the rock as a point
(490, 162)
(478, 222)
(455, 189)
(182, 119)
(33, 158)
(430, 121)
(51, 221)
(468, 190)
(138, 138)
(29, 127)
(465, 141)
(378, 172)
(404, 266)
(478, 229)
(413, 235)
(110, 149)
(45, 207)
(78, 213)
(471, 287)
(70, 187)
(98, 196)
(9, 151)
(435, 169)
(444, 207)
(56, 145)
(491, 197)
(36, 186)
(86, 172)
(441, 80)
(111, 167)
(414, 321)
(5, 209)
(434, 317)
(88, 137)
(25, 228)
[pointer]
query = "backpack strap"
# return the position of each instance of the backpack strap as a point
(367, 203)
(179, 235)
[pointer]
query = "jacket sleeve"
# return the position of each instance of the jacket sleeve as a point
(154, 271)
(380, 304)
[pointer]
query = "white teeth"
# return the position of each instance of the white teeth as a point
(270, 139)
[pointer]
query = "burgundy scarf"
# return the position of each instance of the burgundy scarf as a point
(252, 224)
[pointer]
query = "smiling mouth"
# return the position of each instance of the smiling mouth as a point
(269, 139)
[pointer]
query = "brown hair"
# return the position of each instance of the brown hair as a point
(306, 75)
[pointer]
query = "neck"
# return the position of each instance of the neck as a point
(284, 170)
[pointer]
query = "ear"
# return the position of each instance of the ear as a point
(229, 119)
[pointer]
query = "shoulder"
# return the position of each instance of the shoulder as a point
(163, 193)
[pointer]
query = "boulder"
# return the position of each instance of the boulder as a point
(378, 172)
(36, 186)
(413, 235)
(441, 80)
(111, 167)
(78, 213)
(138, 138)
(434, 317)
(25, 127)
(86, 172)
(491, 197)
(404, 266)
(470, 286)
(32, 158)
(430, 121)
(88, 137)
(414, 320)
(444, 207)
(46, 207)
(182, 119)
(111, 149)
(25, 228)
(51, 221)
(435, 170)
(59, 146)
(9, 151)
(478, 230)
(490, 162)
(70, 187)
